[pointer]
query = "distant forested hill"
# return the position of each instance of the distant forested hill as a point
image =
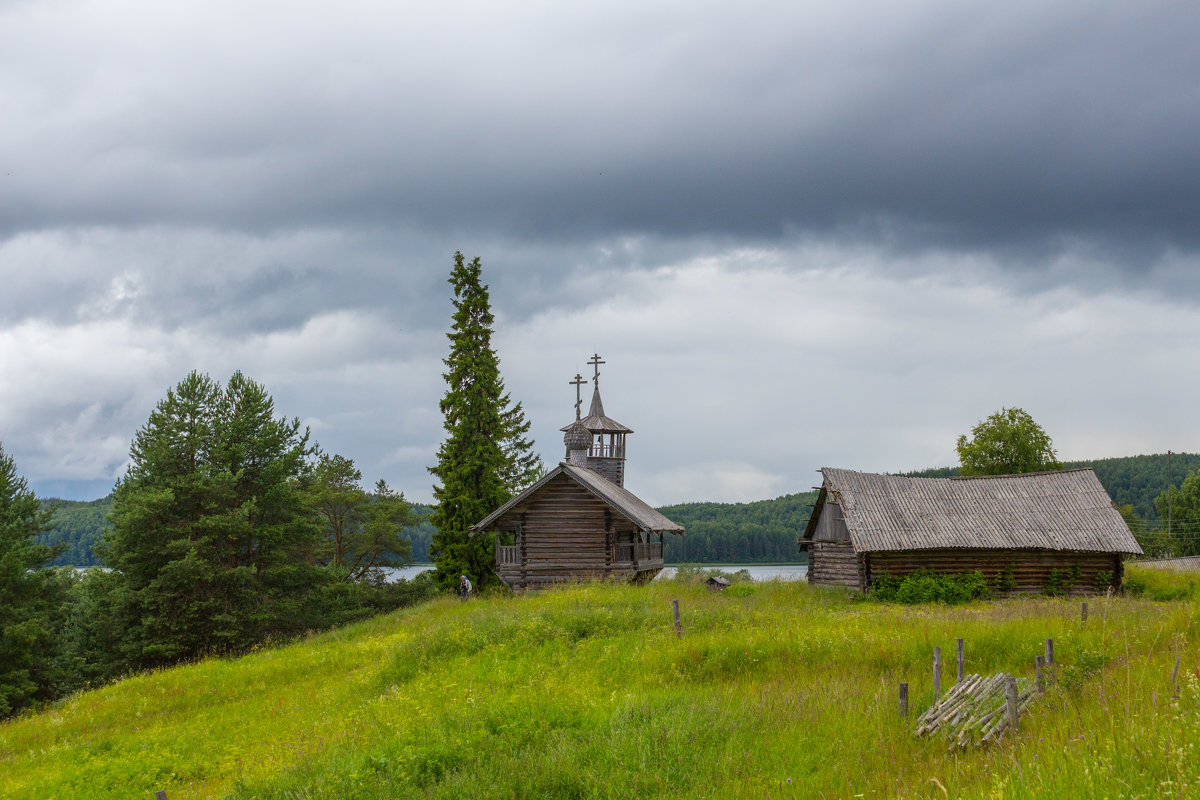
(739, 533)
(1133, 480)
(78, 524)
(731, 533)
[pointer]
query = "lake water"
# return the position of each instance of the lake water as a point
(759, 572)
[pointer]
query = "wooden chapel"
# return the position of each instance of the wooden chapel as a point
(579, 522)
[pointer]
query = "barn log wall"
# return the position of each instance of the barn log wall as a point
(1030, 568)
(834, 564)
(567, 533)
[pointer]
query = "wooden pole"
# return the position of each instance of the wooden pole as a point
(937, 673)
(1175, 678)
(959, 644)
(160, 795)
(1012, 702)
(1039, 664)
(1049, 652)
(904, 699)
(678, 623)
(1083, 612)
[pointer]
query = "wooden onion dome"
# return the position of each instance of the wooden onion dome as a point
(606, 453)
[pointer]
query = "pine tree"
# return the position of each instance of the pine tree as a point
(209, 524)
(28, 598)
(485, 457)
(361, 533)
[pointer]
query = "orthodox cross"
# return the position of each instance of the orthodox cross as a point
(579, 381)
(596, 362)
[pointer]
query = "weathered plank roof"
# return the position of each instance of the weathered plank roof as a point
(1060, 510)
(619, 498)
(596, 422)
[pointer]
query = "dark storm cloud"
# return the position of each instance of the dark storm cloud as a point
(932, 122)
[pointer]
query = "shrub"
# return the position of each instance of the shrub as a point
(1162, 585)
(692, 573)
(1006, 581)
(927, 586)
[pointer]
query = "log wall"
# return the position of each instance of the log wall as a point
(1030, 568)
(567, 533)
(834, 564)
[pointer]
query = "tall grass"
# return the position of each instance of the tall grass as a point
(774, 690)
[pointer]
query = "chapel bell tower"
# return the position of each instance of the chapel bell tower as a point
(605, 454)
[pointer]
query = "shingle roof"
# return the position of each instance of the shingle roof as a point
(1061, 510)
(596, 421)
(619, 498)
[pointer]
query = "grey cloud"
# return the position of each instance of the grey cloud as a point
(963, 127)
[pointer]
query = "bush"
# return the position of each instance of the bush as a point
(927, 586)
(1162, 585)
(692, 573)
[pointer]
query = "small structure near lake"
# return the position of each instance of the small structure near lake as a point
(1026, 533)
(579, 522)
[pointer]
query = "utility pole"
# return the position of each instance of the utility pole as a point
(1170, 492)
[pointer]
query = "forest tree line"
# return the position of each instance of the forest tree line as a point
(731, 533)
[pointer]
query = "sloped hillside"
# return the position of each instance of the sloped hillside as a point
(774, 690)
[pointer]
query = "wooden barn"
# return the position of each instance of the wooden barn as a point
(579, 522)
(1015, 529)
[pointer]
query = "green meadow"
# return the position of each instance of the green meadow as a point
(774, 690)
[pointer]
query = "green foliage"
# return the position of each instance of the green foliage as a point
(362, 533)
(1006, 443)
(1102, 581)
(694, 573)
(29, 597)
(1179, 512)
(75, 527)
(739, 533)
(1160, 584)
(1006, 581)
(485, 457)
(927, 586)
(1056, 584)
(211, 526)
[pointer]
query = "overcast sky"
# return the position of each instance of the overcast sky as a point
(801, 234)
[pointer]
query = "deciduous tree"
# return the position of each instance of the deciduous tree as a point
(1006, 443)
(361, 531)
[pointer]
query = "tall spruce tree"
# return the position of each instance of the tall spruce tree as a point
(210, 523)
(486, 456)
(28, 596)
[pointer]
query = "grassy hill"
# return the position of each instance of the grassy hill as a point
(775, 690)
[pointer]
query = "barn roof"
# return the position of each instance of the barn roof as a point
(1060, 510)
(619, 498)
(596, 422)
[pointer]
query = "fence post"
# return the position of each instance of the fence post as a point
(1012, 701)
(904, 699)
(1083, 612)
(1038, 664)
(161, 794)
(937, 673)
(959, 643)
(1049, 652)
(1175, 678)
(678, 623)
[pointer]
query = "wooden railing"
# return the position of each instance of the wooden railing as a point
(508, 554)
(639, 552)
